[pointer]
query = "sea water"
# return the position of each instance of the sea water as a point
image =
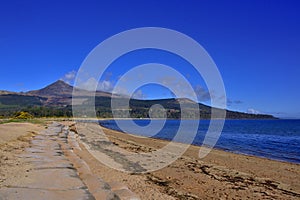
(274, 139)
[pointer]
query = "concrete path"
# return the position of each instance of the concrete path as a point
(57, 172)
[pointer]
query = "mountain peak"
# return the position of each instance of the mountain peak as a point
(58, 88)
(59, 83)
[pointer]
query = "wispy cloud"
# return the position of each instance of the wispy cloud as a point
(233, 102)
(183, 90)
(139, 95)
(92, 84)
(202, 94)
(106, 86)
(253, 111)
(69, 77)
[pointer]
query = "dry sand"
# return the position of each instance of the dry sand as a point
(14, 138)
(12, 131)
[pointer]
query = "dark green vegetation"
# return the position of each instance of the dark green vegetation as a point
(10, 105)
(55, 100)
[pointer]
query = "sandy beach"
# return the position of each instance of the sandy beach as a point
(14, 138)
(220, 175)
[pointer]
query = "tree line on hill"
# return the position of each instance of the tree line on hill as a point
(11, 104)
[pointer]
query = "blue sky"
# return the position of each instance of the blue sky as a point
(255, 44)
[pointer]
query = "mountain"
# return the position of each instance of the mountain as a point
(56, 100)
(60, 93)
(62, 89)
(56, 89)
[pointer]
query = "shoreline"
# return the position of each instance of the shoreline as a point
(215, 147)
(198, 146)
(221, 174)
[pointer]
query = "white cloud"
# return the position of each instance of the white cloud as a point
(92, 84)
(105, 86)
(120, 90)
(252, 111)
(69, 77)
(138, 95)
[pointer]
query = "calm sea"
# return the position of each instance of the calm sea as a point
(274, 139)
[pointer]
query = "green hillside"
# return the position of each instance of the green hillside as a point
(55, 100)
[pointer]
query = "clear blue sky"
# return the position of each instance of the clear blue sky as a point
(255, 44)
